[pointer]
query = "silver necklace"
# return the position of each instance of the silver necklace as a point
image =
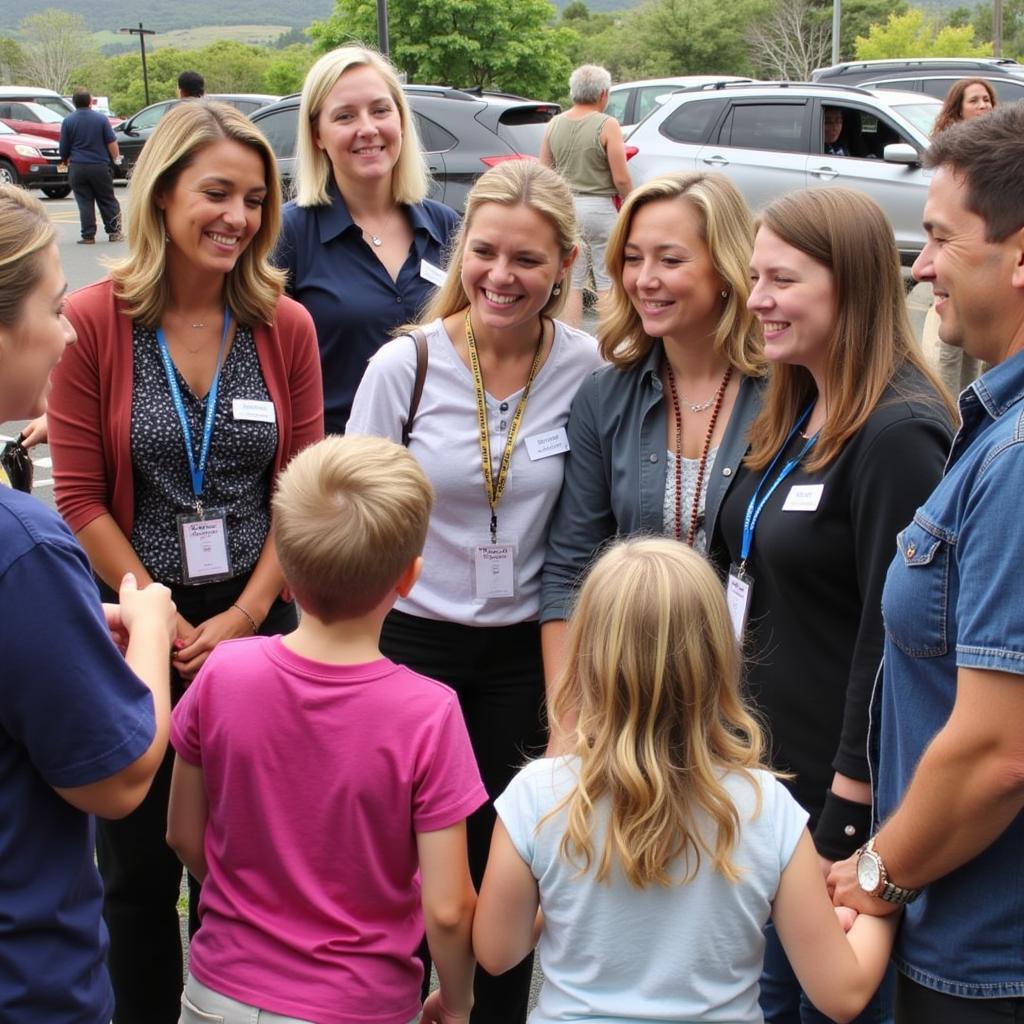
(698, 406)
(375, 238)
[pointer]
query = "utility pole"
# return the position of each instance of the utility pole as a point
(383, 44)
(837, 12)
(997, 28)
(142, 33)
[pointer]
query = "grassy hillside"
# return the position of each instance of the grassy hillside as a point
(194, 38)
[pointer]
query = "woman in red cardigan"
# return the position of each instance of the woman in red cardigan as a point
(192, 383)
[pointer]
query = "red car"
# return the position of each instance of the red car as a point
(32, 161)
(31, 118)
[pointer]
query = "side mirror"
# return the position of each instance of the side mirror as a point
(901, 153)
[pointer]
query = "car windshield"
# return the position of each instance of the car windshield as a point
(921, 114)
(6, 129)
(44, 114)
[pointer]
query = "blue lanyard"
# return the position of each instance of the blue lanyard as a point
(755, 507)
(198, 472)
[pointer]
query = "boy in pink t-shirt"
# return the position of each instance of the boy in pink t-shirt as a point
(320, 791)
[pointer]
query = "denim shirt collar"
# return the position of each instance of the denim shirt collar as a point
(334, 220)
(991, 396)
(650, 368)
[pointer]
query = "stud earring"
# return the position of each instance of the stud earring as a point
(725, 293)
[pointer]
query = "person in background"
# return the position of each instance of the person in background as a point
(585, 146)
(851, 437)
(362, 246)
(83, 729)
(967, 99)
(320, 791)
(949, 757)
(191, 85)
(656, 437)
(489, 432)
(88, 147)
(832, 130)
(193, 382)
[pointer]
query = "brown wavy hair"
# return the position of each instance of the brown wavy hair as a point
(951, 112)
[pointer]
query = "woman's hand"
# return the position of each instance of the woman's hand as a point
(195, 646)
(35, 432)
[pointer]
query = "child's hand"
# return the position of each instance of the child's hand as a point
(434, 1011)
(846, 915)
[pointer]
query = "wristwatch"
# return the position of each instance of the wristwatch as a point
(874, 879)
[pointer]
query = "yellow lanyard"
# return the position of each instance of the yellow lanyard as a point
(495, 485)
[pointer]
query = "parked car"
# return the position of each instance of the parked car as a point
(864, 72)
(32, 161)
(630, 102)
(767, 137)
(463, 133)
(1007, 89)
(34, 94)
(31, 118)
(132, 134)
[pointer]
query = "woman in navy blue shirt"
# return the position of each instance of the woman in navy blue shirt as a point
(362, 245)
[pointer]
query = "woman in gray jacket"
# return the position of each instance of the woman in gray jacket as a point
(656, 437)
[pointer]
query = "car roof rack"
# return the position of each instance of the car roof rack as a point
(733, 86)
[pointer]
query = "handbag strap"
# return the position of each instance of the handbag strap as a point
(420, 340)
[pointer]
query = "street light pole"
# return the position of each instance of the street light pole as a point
(142, 33)
(383, 43)
(837, 12)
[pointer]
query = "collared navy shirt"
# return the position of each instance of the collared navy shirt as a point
(952, 599)
(334, 272)
(84, 136)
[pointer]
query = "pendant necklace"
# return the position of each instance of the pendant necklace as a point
(716, 401)
(376, 239)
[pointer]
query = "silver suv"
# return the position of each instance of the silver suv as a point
(768, 138)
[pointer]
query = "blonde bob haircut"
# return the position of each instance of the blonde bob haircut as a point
(872, 340)
(25, 234)
(728, 231)
(653, 674)
(252, 287)
(409, 180)
(349, 516)
(511, 183)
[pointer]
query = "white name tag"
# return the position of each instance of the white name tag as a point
(204, 546)
(541, 446)
(803, 498)
(495, 572)
(253, 409)
(738, 593)
(431, 273)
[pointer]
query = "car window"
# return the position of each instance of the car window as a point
(920, 115)
(647, 98)
(523, 127)
(53, 103)
(23, 113)
(435, 139)
(775, 126)
(903, 85)
(149, 118)
(690, 122)
(280, 127)
(866, 133)
(1008, 90)
(617, 104)
(37, 112)
(5, 110)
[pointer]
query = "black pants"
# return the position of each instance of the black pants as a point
(93, 186)
(141, 873)
(916, 1004)
(499, 677)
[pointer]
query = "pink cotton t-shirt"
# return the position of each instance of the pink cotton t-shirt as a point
(318, 779)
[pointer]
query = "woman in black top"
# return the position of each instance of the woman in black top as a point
(852, 436)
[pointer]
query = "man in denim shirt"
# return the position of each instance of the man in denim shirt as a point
(950, 782)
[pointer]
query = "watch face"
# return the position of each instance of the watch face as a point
(868, 875)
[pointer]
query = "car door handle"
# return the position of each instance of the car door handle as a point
(716, 161)
(828, 173)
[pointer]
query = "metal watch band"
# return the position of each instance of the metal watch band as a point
(892, 893)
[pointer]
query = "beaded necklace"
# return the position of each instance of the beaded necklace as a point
(691, 532)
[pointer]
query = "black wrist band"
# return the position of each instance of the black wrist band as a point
(844, 826)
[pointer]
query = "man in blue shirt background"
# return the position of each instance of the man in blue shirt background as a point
(950, 759)
(88, 145)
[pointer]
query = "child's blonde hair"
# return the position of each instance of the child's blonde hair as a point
(350, 515)
(653, 674)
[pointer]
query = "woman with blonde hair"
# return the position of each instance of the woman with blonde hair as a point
(660, 844)
(489, 431)
(362, 246)
(852, 436)
(656, 437)
(193, 382)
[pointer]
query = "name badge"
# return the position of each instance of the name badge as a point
(204, 546)
(803, 498)
(430, 272)
(253, 409)
(494, 569)
(739, 590)
(542, 446)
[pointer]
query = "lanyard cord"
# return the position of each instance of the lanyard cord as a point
(755, 507)
(494, 485)
(197, 472)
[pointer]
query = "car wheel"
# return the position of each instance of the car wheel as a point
(8, 175)
(57, 191)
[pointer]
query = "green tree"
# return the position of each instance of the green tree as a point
(228, 66)
(54, 43)
(857, 17)
(1013, 26)
(488, 43)
(288, 69)
(11, 59)
(911, 35)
